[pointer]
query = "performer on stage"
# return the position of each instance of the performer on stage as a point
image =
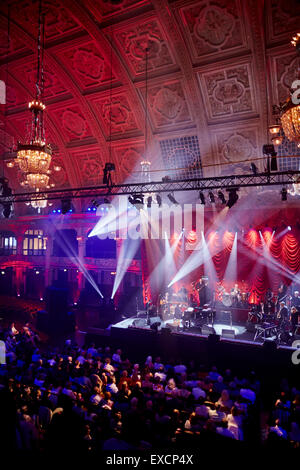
(295, 314)
(281, 295)
(205, 292)
(183, 294)
(295, 300)
(283, 313)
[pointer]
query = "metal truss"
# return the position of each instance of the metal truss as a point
(196, 184)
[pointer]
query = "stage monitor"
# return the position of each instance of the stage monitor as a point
(229, 334)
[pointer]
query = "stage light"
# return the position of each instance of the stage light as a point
(289, 227)
(269, 150)
(172, 199)
(6, 210)
(211, 197)
(149, 202)
(221, 197)
(158, 200)
(65, 205)
(109, 167)
(283, 193)
(202, 198)
(232, 197)
(254, 169)
(95, 203)
(137, 200)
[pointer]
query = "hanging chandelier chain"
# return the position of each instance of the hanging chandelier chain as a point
(146, 99)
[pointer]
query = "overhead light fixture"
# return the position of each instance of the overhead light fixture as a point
(109, 167)
(254, 169)
(283, 193)
(211, 197)
(269, 150)
(137, 200)
(7, 210)
(289, 111)
(158, 200)
(34, 156)
(172, 199)
(232, 197)
(202, 198)
(277, 140)
(66, 205)
(274, 129)
(221, 197)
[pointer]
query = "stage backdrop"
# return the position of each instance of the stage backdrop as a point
(266, 255)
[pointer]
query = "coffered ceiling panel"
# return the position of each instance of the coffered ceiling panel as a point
(215, 67)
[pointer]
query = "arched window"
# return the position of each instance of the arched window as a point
(8, 243)
(34, 243)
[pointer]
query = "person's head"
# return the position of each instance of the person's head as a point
(282, 304)
(225, 395)
(149, 405)
(293, 310)
(296, 293)
(234, 411)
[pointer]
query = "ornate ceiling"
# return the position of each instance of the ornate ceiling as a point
(209, 62)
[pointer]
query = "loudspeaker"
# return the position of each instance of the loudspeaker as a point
(270, 346)
(56, 300)
(250, 326)
(142, 314)
(213, 339)
(230, 334)
(139, 322)
(153, 320)
(42, 320)
(208, 330)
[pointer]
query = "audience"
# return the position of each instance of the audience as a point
(92, 399)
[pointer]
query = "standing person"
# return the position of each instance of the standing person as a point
(294, 318)
(283, 313)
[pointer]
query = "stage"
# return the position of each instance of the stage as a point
(235, 332)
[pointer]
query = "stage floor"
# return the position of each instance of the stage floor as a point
(240, 332)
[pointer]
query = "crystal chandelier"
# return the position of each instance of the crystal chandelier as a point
(289, 113)
(34, 155)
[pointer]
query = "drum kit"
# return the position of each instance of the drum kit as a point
(233, 298)
(172, 305)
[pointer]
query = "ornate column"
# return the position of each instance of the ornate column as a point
(20, 238)
(48, 254)
(81, 255)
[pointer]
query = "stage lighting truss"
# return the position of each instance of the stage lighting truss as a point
(280, 178)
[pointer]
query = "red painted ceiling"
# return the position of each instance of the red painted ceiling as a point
(211, 66)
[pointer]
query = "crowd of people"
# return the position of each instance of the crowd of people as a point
(95, 398)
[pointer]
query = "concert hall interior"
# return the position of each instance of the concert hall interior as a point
(150, 204)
